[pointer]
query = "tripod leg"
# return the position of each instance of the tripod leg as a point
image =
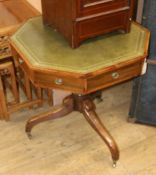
(56, 112)
(93, 119)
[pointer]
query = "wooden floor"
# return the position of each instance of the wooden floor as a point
(69, 146)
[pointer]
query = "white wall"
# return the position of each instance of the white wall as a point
(36, 4)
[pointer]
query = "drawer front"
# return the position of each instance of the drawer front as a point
(102, 24)
(114, 77)
(89, 7)
(59, 82)
(50, 80)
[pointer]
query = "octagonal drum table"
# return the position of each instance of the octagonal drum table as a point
(98, 63)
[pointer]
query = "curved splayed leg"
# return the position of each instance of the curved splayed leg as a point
(93, 119)
(56, 112)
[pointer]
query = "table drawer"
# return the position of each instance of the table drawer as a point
(114, 77)
(88, 7)
(102, 24)
(59, 82)
(50, 80)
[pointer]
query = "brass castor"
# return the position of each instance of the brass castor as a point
(114, 163)
(29, 135)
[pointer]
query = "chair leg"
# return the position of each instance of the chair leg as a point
(27, 87)
(14, 83)
(50, 97)
(4, 115)
(39, 96)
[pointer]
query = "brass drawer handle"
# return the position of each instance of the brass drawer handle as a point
(58, 81)
(115, 75)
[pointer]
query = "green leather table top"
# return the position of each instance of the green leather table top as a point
(45, 48)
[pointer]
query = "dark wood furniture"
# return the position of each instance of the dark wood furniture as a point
(102, 62)
(78, 20)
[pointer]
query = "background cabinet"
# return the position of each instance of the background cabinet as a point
(79, 20)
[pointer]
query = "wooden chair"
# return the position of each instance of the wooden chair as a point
(7, 69)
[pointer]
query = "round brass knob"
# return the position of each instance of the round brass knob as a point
(115, 75)
(58, 81)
